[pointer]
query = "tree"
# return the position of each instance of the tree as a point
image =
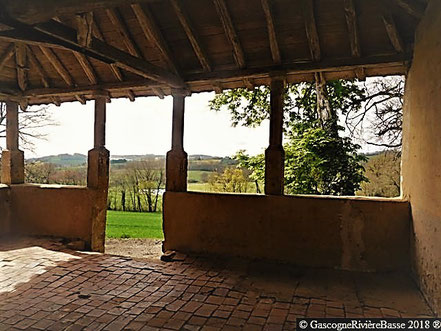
(318, 159)
(230, 180)
(39, 172)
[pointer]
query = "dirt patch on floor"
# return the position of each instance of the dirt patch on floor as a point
(137, 248)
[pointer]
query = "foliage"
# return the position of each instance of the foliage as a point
(134, 225)
(230, 180)
(383, 171)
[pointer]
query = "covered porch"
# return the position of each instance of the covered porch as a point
(63, 52)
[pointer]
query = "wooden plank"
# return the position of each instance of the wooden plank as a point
(9, 52)
(58, 66)
(21, 64)
(131, 95)
(59, 35)
(351, 22)
(87, 67)
(392, 32)
(275, 49)
(230, 31)
(158, 92)
(191, 34)
(153, 34)
(84, 28)
(412, 7)
(311, 29)
(81, 99)
(38, 68)
(116, 19)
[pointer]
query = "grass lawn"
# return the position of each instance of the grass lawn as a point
(122, 224)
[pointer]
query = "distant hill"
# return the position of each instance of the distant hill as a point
(63, 160)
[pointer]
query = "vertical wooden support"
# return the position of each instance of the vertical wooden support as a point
(12, 157)
(275, 154)
(176, 169)
(98, 176)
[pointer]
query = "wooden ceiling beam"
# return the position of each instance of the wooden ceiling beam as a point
(116, 19)
(274, 44)
(412, 7)
(21, 62)
(9, 52)
(153, 34)
(158, 92)
(58, 66)
(59, 35)
(87, 67)
(392, 32)
(230, 31)
(84, 28)
(311, 29)
(191, 34)
(351, 22)
(38, 68)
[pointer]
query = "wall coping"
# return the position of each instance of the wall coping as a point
(49, 186)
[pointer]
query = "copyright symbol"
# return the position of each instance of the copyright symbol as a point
(303, 324)
(437, 325)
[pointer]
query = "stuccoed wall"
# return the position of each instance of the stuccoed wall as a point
(422, 153)
(4, 210)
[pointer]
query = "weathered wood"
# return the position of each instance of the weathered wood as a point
(87, 67)
(84, 28)
(57, 34)
(275, 49)
(58, 66)
(80, 99)
(159, 92)
(248, 84)
(413, 8)
(351, 22)
(9, 52)
(230, 31)
(154, 35)
(38, 68)
(100, 122)
(116, 19)
(311, 29)
(191, 34)
(217, 87)
(392, 32)
(131, 95)
(360, 73)
(21, 64)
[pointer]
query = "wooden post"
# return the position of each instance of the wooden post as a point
(176, 169)
(98, 176)
(275, 155)
(12, 157)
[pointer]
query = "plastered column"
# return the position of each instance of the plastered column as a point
(12, 157)
(177, 159)
(275, 154)
(98, 176)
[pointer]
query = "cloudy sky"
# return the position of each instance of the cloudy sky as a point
(144, 127)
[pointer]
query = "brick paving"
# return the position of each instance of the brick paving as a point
(44, 286)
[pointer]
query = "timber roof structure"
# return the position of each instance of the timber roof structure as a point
(54, 51)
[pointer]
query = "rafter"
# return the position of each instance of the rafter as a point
(392, 32)
(58, 66)
(191, 34)
(59, 35)
(22, 65)
(84, 28)
(311, 29)
(351, 22)
(413, 8)
(154, 35)
(9, 52)
(230, 31)
(38, 67)
(116, 19)
(80, 99)
(87, 67)
(158, 92)
(274, 44)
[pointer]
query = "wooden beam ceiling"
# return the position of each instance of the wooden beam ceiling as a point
(351, 22)
(58, 66)
(9, 52)
(21, 60)
(274, 44)
(392, 32)
(38, 68)
(230, 31)
(58, 35)
(413, 8)
(191, 34)
(311, 29)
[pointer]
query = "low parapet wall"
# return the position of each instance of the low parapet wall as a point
(346, 233)
(4, 210)
(50, 210)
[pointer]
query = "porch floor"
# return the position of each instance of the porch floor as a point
(45, 286)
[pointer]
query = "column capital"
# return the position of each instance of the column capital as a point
(180, 92)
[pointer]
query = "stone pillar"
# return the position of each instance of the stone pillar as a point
(98, 176)
(12, 157)
(176, 168)
(274, 154)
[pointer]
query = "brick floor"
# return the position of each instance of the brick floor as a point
(44, 286)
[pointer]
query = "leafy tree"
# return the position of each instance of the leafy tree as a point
(230, 180)
(318, 159)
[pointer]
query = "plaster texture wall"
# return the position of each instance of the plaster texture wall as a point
(351, 234)
(422, 153)
(4, 210)
(52, 211)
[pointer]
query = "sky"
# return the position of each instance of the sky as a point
(144, 127)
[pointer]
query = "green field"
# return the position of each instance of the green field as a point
(134, 225)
